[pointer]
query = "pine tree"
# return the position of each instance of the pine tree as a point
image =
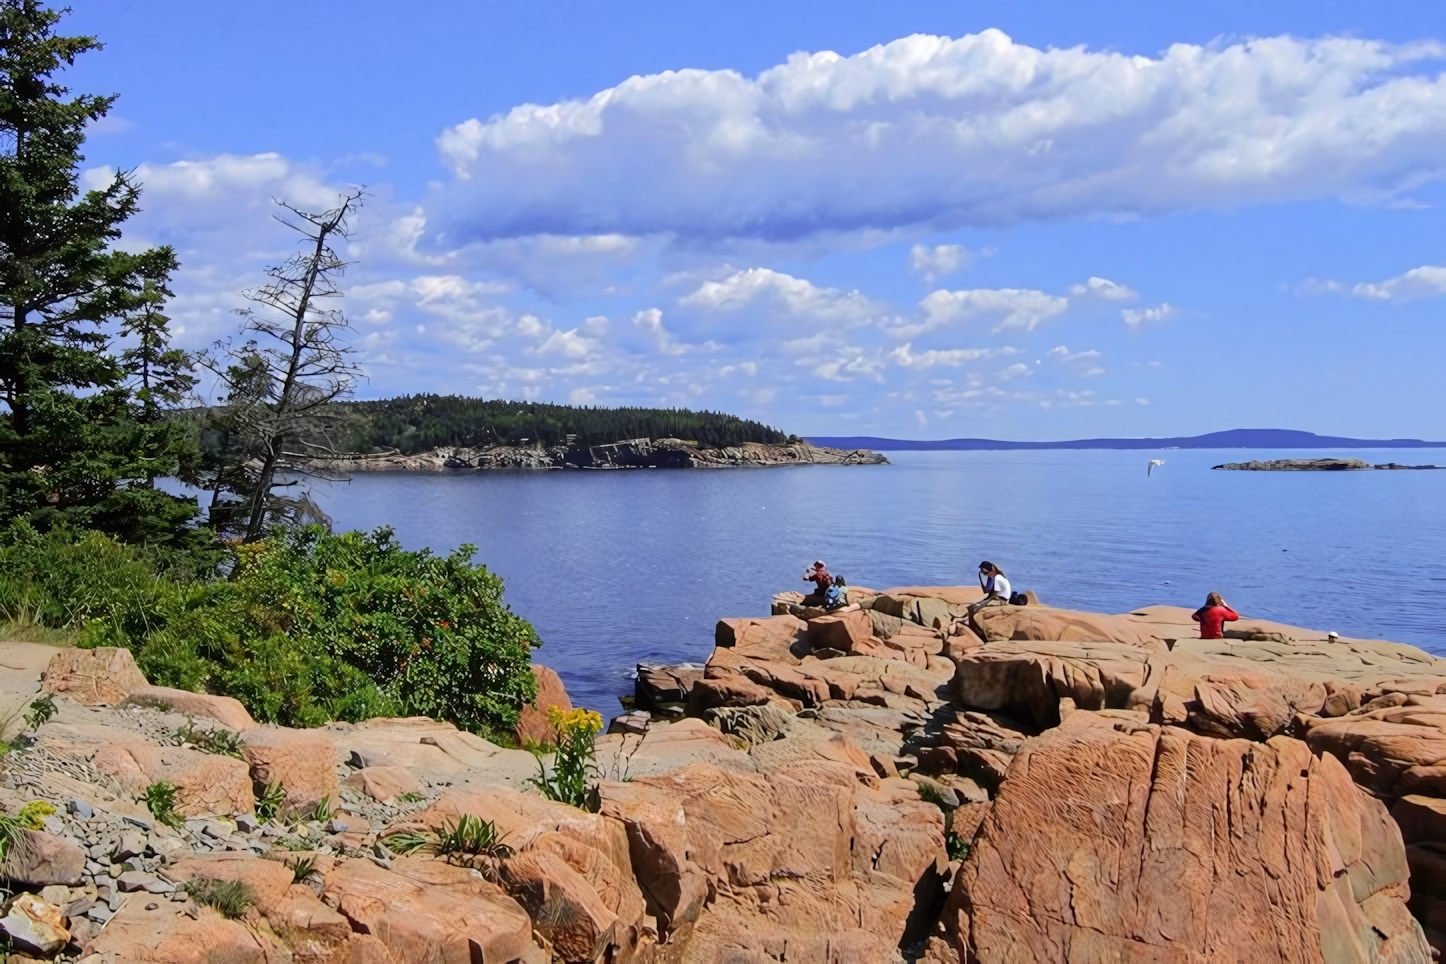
(71, 447)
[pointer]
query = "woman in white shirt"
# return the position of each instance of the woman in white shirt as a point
(995, 585)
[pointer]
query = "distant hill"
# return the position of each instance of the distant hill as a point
(1238, 438)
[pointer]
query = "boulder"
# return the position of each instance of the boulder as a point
(1047, 624)
(35, 925)
(105, 675)
(303, 762)
(428, 911)
(206, 783)
(269, 880)
(780, 639)
(665, 747)
(564, 907)
(169, 936)
(658, 686)
(225, 710)
(743, 867)
(383, 784)
(1116, 840)
(43, 859)
(707, 694)
(841, 632)
(532, 725)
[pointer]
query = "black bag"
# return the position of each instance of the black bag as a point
(1019, 599)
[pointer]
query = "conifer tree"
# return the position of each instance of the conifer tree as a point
(72, 449)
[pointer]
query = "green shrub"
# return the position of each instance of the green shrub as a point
(160, 800)
(305, 628)
(312, 627)
(42, 708)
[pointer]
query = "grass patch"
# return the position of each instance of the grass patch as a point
(410, 797)
(19, 631)
(221, 741)
(270, 801)
(303, 869)
(230, 898)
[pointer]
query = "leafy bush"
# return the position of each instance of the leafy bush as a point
(42, 708)
(573, 766)
(312, 627)
(160, 800)
(306, 627)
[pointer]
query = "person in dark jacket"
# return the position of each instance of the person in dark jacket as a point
(1213, 616)
(822, 579)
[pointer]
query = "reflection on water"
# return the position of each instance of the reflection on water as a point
(620, 567)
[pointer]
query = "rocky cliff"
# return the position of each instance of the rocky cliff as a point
(668, 453)
(896, 782)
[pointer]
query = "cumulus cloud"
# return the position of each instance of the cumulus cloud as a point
(1020, 308)
(1135, 317)
(932, 263)
(650, 320)
(939, 131)
(1102, 288)
(787, 294)
(1427, 281)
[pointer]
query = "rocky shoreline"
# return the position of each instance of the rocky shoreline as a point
(895, 783)
(668, 453)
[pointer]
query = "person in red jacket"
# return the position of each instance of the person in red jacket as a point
(1213, 616)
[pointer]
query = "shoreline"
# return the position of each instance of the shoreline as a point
(630, 454)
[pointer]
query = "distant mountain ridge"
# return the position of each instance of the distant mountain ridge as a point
(1237, 438)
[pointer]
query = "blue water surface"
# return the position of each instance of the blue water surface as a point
(618, 567)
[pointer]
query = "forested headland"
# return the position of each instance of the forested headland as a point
(417, 423)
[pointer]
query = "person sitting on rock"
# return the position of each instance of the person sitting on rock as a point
(820, 577)
(836, 597)
(1213, 616)
(995, 585)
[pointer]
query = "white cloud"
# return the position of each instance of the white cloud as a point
(650, 320)
(787, 294)
(1020, 308)
(943, 132)
(932, 263)
(568, 344)
(905, 357)
(1134, 317)
(1102, 288)
(1427, 281)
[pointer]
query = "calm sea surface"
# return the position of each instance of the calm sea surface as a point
(614, 568)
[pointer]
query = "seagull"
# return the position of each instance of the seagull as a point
(1151, 467)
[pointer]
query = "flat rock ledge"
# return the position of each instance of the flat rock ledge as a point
(898, 782)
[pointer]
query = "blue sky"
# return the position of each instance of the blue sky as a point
(1021, 220)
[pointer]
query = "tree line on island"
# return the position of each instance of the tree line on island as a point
(243, 591)
(417, 423)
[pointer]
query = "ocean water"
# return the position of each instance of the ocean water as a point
(620, 567)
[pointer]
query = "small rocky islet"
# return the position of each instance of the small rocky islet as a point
(1314, 465)
(896, 782)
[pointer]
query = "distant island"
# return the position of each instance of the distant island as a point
(434, 432)
(1239, 438)
(1314, 465)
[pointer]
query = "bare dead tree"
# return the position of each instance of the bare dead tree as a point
(282, 382)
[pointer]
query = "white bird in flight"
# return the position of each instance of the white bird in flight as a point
(1151, 467)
